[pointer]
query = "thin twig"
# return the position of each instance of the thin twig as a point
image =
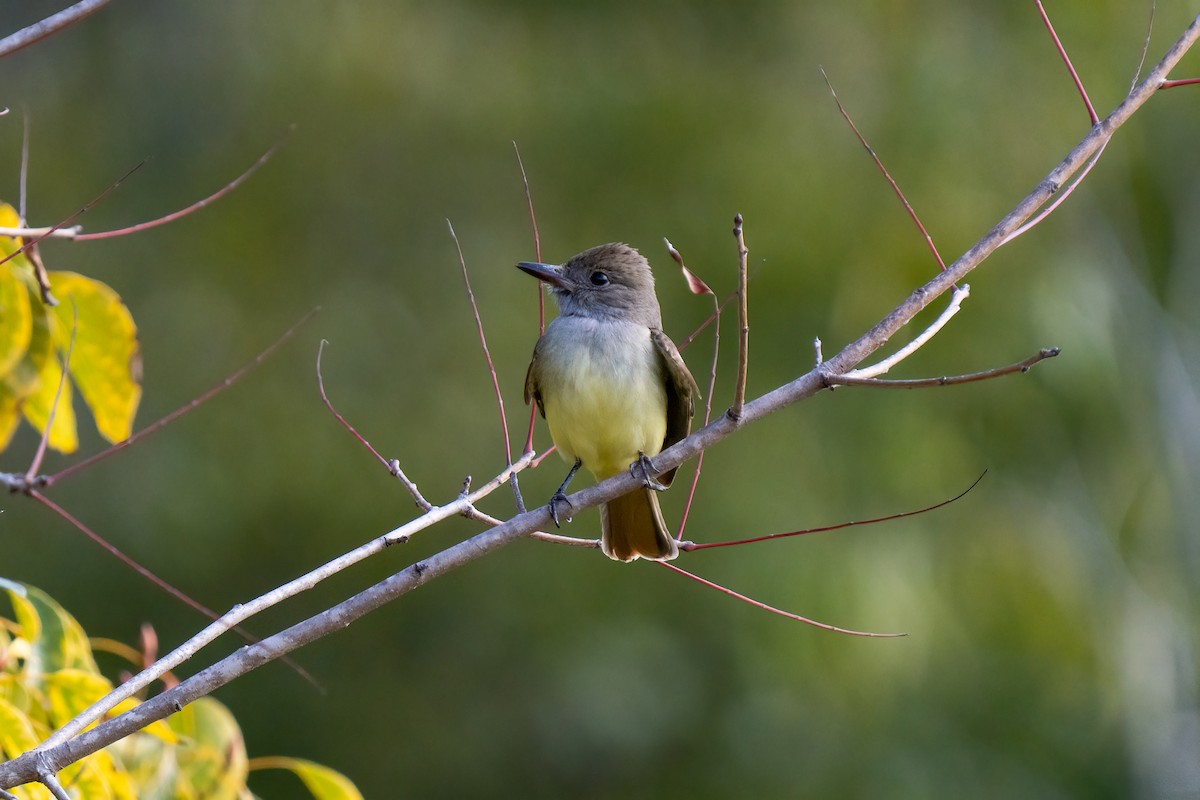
(697, 286)
(49, 26)
(773, 610)
(487, 354)
(194, 207)
(392, 465)
(1060, 196)
(1062, 52)
(24, 180)
(952, 380)
(1137, 73)
(36, 463)
(690, 546)
(912, 214)
(537, 256)
(739, 388)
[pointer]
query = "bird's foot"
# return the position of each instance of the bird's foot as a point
(642, 466)
(557, 498)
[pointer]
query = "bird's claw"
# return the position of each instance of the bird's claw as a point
(558, 497)
(642, 465)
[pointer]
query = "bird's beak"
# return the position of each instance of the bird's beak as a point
(549, 273)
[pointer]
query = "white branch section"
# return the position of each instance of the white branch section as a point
(875, 370)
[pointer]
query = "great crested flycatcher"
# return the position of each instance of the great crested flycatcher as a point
(612, 387)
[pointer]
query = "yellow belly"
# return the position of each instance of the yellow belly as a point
(604, 396)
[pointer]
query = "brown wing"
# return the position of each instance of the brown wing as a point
(681, 391)
(531, 384)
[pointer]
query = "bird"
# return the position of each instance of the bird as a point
(612, 387)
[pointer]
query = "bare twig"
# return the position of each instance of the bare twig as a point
(690, 546)
(487, 354)
(952, 380)
(36, 463)
(49, 26)
(912, 214)
(697, 286)
(772, 609)
(196, 206)
(1062, 52)
(537, 256)
(739, 388)
(75, 232)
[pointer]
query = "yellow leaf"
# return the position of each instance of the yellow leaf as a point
(71, 691)
(9, 219)
(16, 318)
(36, 407)
(105, 361)
(16, 731)
(322, 782)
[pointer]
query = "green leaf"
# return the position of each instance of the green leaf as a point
(322, 782)
(105, 359)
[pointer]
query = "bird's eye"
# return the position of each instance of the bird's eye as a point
(599, 279)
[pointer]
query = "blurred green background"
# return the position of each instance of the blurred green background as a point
(1053, 633)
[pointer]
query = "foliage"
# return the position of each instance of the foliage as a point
(91, 323)
(48, 675)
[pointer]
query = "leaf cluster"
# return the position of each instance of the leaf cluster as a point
(90, 331)
(48, 675)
